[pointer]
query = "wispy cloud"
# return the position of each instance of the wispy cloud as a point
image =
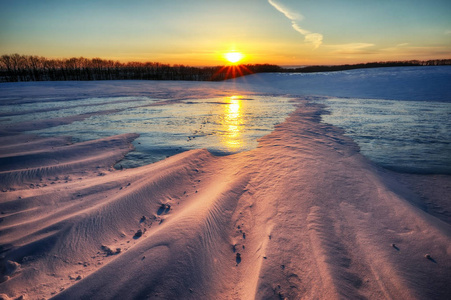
(352, 48)
(416, 51)
(293, 16)
(313, 38)
(448, 32)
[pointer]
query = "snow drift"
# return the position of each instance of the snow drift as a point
(302, 216)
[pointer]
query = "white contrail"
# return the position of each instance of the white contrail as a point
(289, 14)
(315, 39)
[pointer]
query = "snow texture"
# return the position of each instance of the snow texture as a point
(304, 215)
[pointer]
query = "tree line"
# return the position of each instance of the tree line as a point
(16, 68)
(409, 63)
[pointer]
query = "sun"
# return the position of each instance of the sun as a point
(234, 57)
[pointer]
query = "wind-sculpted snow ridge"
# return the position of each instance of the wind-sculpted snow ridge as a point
(28, 163)
(303, 216)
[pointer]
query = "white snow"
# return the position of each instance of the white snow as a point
(309, 216)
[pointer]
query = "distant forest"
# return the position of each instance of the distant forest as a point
(16, 68)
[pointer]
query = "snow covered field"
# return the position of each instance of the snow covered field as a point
(300, 214)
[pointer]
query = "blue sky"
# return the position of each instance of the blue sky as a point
(284, 32)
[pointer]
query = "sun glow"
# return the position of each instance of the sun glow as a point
(234, 57)
(234, 68)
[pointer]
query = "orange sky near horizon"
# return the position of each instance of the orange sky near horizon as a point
(199, 33)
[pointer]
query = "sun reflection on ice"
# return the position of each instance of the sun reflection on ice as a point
(232, 123)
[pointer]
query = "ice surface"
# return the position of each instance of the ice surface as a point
(174, 116)
(406, 136)
(223, 125)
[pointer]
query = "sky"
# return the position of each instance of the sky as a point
(200, 32)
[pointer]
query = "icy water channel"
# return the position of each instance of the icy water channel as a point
(223, 125)
(406, 136)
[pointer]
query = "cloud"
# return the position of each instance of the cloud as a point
(352, 48)
(299, 29)
(289, 14)
(416, 51)
(448, 32)
(316, 39)
(401, 51)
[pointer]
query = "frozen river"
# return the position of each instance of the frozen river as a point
(399, 117)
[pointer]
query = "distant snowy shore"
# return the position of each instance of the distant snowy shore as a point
(395, 83)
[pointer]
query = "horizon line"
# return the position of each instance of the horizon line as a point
(222, 65)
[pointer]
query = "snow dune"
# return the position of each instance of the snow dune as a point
(18, 167)
(303, 216)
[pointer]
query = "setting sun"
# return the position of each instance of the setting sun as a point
(234, 57)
